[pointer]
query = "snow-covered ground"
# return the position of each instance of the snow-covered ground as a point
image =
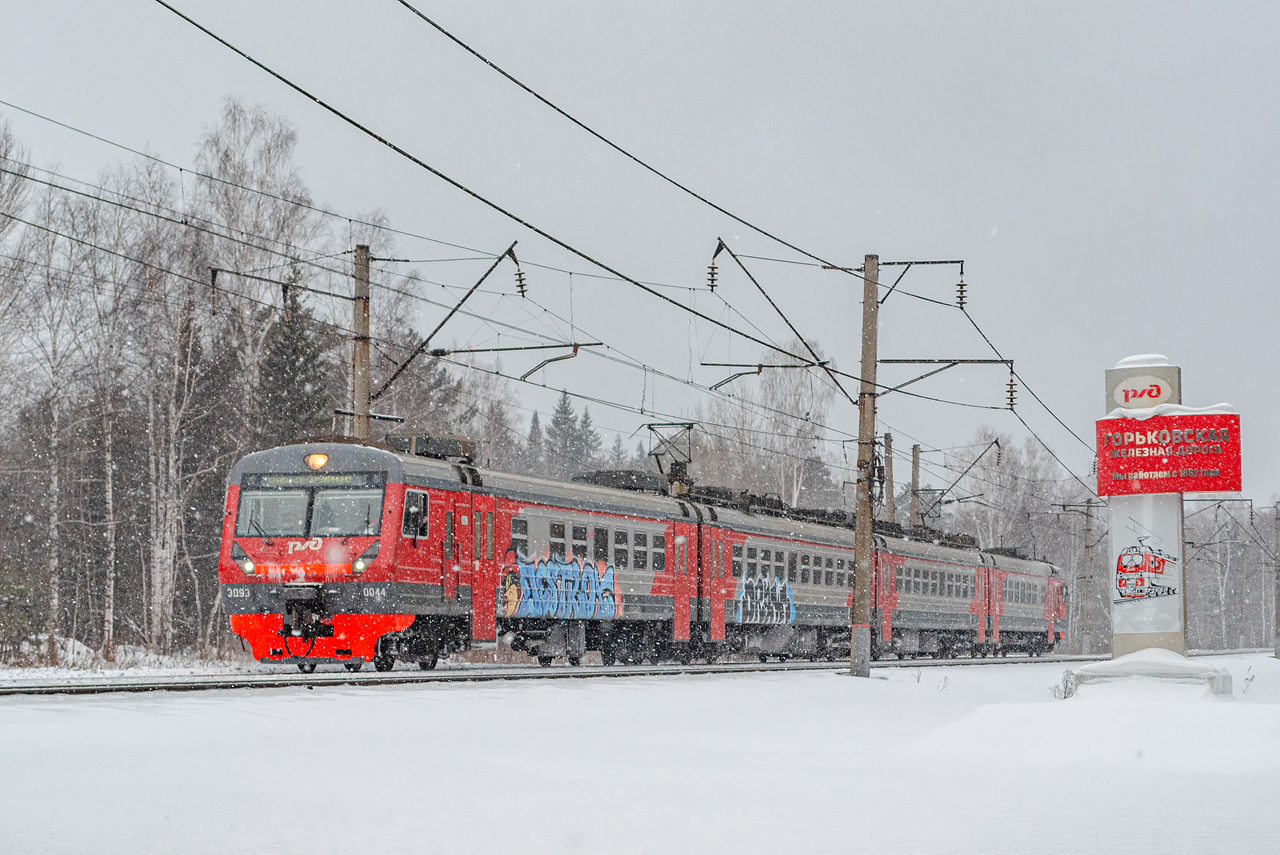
(934, 759)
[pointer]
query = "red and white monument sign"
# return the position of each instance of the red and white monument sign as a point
(1151, 450)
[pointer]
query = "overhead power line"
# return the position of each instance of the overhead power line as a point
(465, 189)
(615, 146)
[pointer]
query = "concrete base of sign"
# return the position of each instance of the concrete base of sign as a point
(1158, 663)
(1130, 642)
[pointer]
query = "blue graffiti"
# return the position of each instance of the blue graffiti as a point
(765, 600)
(556, 588)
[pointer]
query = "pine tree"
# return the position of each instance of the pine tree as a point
(562, 439)
(294, 377)
(618, 453)
(533, 451)
(587, 450)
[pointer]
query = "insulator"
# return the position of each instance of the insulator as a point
(520, 284)
(999, 455)
(1013, 392)
(711, 276)
(960, 297)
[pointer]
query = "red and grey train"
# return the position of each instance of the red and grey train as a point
(351, 552)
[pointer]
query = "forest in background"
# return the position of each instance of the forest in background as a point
(134, 380)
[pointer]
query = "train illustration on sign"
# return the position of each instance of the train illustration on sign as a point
(1140, 573)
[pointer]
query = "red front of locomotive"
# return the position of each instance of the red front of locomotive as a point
(307, 566)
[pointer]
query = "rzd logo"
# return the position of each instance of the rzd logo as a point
(300, 545)
(1142, 392)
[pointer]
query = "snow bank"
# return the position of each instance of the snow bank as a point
(1155, 663)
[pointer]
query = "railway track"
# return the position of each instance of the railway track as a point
(489, 673)
(466, 674)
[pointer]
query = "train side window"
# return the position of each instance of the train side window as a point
(737, 560)
(620, 552)
(897, 579)
(476, 535)
(933, 583)
(520, 538)
(414, 523)
(791, 567)
(951, 585)
(839, 580)
(556, 538)
(600, 545)
(839, 563)
(659, 553)
(804, 569)
(830, 578)
(751, 569)
(488, 536)
(915, 581)
(751, 553)
(830, 562)
(448, 535)
(579, 533)
(640, 558)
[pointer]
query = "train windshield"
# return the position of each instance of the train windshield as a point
(339, 513)
(310, 513)
(272, 513)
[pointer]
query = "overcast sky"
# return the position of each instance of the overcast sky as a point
(1107, 171)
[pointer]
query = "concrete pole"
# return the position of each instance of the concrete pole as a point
(863, 540)
(1275, 569)
(913, 520)
(1088, 576)
(360, 345)
(890, 508)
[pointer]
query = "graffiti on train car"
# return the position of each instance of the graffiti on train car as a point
(765, 600)
(555, 588)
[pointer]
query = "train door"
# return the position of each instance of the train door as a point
(686, 581)
(980, 605)
(414, 553)
(713, 572)
(484, 569)
(455, 548)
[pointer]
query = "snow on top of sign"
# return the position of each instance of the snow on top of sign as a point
(1171, 410)
(1143, 360)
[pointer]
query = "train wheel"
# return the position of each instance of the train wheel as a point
(544, 661)
(383, 662)
(429, 664)
(764, 658)
(575, 661)
(306, 667)
(353, 666)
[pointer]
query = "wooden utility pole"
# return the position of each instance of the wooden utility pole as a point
(913, 520)
(863, 541)
(360, 346)
(890, 508)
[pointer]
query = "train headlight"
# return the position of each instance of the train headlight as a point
(241, 558)
(365, 559)
(317, 461)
